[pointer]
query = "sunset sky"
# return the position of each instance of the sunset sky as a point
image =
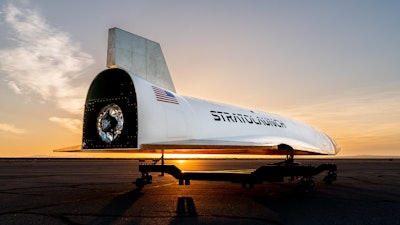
(332, 64)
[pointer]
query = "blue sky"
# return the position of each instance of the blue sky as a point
(334, 65)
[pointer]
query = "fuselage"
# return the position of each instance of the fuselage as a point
(150, 114)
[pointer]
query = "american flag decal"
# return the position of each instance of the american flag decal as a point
(164, 95)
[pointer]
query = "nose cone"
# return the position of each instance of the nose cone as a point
(336, 146)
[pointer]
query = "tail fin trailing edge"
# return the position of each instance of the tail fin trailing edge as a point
(138, 55)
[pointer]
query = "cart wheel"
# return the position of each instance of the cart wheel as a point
(306, 185)
(332, 176)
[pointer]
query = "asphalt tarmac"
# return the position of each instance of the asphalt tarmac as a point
(68, 191)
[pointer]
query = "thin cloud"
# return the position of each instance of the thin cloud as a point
(73, 125)
(10, 128)
(14, 87)
(45, 60)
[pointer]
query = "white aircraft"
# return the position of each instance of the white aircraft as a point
(133, 107)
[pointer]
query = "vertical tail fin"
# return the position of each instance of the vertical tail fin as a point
(138, 55)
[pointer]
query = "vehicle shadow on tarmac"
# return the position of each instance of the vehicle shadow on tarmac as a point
(117, 207)
(185, 209)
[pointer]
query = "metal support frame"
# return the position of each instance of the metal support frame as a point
(162, 162)
(269, 173)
